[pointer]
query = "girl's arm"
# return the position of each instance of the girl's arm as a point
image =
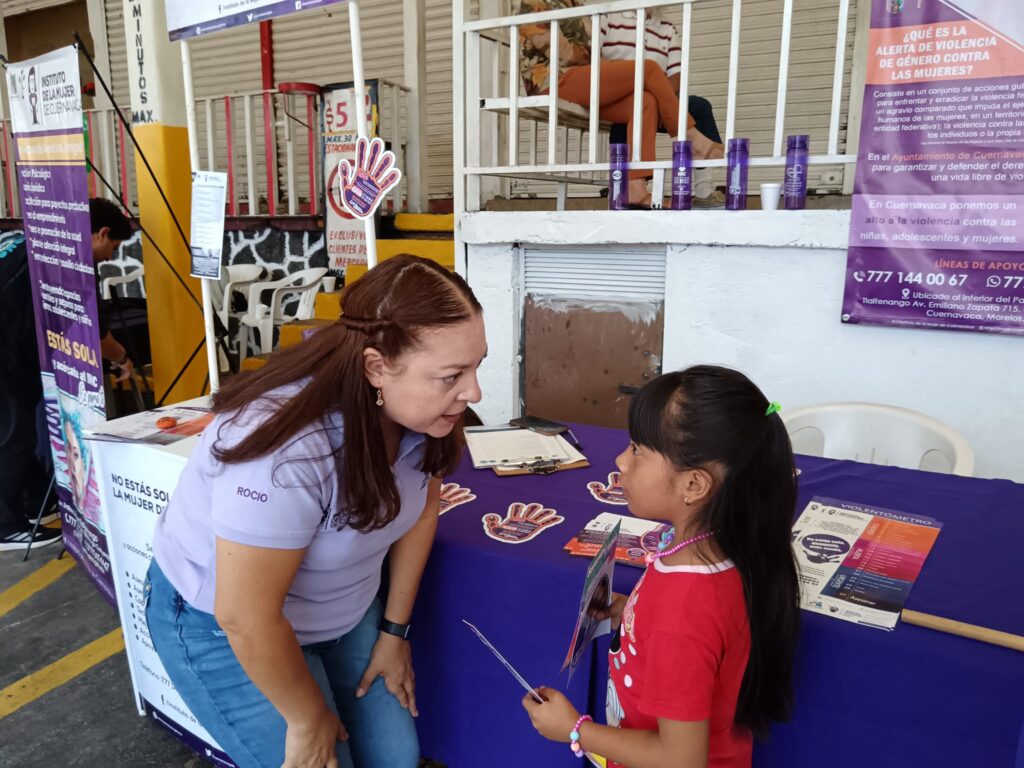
(391, 657)
(252, 583)
(674, 745)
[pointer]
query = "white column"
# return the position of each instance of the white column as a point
(212, 356)
(416, 167)
(359, 81)
(490, 79)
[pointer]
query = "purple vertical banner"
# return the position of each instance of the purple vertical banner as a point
(937, 226)
(46, 114)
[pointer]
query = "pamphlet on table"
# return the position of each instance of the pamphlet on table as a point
(637, 538)
(858, 562)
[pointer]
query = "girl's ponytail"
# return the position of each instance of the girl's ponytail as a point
(752, 514)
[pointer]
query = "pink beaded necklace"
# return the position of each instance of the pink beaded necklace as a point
(666, 537)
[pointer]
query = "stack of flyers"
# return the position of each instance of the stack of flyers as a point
(637, 538)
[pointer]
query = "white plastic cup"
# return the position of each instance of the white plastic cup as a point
(329, 283)
(770, 196)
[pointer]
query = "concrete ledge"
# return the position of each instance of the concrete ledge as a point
(772, 229)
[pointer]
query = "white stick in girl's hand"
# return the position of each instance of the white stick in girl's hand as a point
(504, 661)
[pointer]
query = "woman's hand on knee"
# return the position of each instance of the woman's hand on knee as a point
(392, 660)
(312, 744)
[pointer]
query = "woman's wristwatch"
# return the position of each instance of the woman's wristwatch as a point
(398, 630)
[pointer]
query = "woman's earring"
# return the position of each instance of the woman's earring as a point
(380, 398)
(687, 501)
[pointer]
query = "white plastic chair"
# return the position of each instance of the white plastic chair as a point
(263, 317)
(237, 277)
(879, 434)
(233, 279)
(128, 277)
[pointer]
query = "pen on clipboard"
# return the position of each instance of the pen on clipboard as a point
(575, 442)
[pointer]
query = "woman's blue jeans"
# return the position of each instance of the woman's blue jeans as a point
(202, 666)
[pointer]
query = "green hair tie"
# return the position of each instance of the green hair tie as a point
(773, 407)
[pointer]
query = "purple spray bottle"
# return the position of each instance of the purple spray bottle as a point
(795, 187)
(618, 179)
(682, 175)
(736, 181)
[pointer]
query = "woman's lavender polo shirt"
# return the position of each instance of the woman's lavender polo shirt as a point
(287, 500)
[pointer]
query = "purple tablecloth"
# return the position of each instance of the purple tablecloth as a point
(864, 696)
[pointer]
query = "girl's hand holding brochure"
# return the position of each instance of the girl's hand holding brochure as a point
(555, 718)
(614, 610)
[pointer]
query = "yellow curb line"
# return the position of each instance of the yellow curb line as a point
(39, 579)
(31, 687)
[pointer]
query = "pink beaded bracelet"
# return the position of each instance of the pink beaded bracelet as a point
(574, 737)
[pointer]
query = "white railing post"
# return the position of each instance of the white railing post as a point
(415, 53)
(684, 71)
(289, 153)
(553, 74)
(473, 120)
(780, 100)
(459, 108)
(513, 96)
(638, 82)
(490, 84)
(595, 86)
(494, 87)
(734, 68)
(837, 80)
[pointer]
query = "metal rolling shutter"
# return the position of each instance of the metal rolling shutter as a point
(118, 51)
(14, 7)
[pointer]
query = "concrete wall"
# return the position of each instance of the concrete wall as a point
(767, 299)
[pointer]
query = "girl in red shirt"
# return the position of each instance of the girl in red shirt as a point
(702, 655)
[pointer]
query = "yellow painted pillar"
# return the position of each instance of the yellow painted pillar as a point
(159, 124)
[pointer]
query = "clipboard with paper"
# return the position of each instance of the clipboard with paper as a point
(509, 450)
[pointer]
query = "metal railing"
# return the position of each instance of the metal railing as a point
(269, 143)
(504, 33)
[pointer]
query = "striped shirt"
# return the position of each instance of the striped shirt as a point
(662, 42)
